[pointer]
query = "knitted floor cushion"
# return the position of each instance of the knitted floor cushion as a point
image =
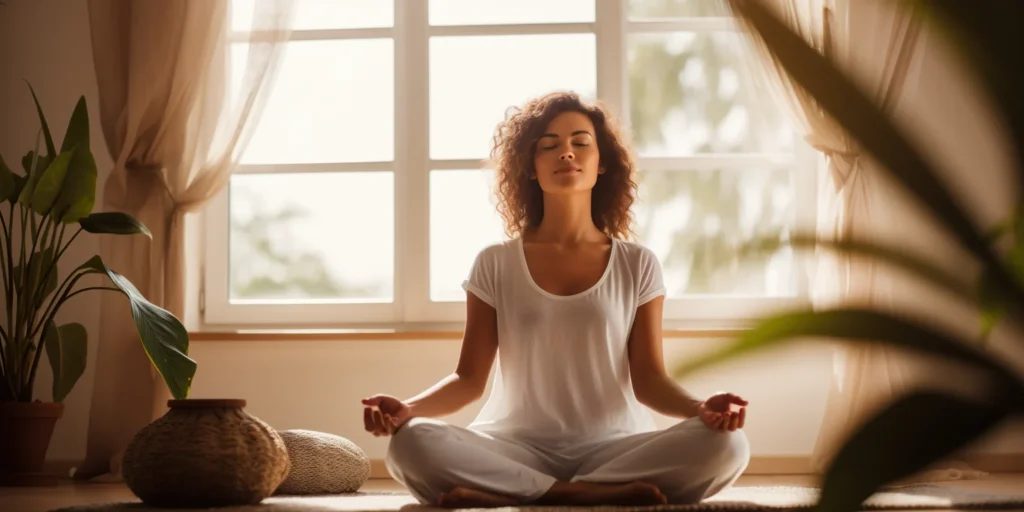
(323, 463)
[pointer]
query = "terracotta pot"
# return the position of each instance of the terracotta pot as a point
(205, 453)
(25, 432)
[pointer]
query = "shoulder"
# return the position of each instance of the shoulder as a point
(636, 254)
(495, 255)
(497, 251)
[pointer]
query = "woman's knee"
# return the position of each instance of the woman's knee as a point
(416, 443)
(735, 451)
(726, 452)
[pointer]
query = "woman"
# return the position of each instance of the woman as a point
(574, 312)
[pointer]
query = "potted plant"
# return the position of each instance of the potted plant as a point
(57, 192)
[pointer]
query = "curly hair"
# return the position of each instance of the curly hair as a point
(520, 199)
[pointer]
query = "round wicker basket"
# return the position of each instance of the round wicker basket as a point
(205, 453)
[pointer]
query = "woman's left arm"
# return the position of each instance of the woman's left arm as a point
(651, 384)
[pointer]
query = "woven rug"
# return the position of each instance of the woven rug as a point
(737, 498)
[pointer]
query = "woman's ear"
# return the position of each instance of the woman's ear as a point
(600, 170)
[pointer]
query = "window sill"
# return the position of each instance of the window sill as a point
(403, 335)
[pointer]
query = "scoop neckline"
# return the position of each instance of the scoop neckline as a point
(521, 249)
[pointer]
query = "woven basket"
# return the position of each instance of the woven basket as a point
(205, 453)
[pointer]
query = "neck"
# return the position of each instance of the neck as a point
(567, 219)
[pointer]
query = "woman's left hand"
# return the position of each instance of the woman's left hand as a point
(717, 412)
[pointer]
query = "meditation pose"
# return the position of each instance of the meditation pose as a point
(572, 312)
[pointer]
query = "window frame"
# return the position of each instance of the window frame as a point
(411, 166)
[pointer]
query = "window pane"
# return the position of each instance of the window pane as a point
(690, 93)
(320, 14)
(463, 220)
(666, 9)
(474, 80)
(316, 236)
(498, 12)
(696, 220)
(333, 101)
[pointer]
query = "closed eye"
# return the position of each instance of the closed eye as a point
(577, 144)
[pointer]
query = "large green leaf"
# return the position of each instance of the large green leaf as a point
(77, 134)
(7, 183)
(872, 130)
(31, 161)
(38, 263)
(46, 188)
(113, 223)
(50, 149)
(34, 165)
(19, 185)
(992, 308)
(67, 350)
(163, 337)
(913, 432)
(862, 325)
(78, 193)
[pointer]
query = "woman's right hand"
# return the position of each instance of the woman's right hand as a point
(383, 414)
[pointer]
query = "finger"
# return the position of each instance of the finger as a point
(736, 399)
(735, 422)
(743, 417)
(717, 422)
(368, 419)
(389, 423)
(378, 420)
(373, 400)
(726, 421)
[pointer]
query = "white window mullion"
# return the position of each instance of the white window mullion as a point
(240, 36)
(412, 122)
(509, 30)
(315, 168)
(612, 65)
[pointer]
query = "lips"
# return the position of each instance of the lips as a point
(567, 170)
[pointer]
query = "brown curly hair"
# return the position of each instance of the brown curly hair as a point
(520, 199)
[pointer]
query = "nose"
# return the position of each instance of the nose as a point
(567, 156)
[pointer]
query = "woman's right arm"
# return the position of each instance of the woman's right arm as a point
(468, 382)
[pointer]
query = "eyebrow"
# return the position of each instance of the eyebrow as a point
(575, 133)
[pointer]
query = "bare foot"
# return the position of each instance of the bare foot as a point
(586, 493)
(461, 497)
(634, 493)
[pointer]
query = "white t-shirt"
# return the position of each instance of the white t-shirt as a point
(562, 376)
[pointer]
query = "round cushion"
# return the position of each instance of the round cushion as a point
(323, 463)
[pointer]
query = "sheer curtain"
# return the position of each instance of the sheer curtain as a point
(175, 120)
(856, 199)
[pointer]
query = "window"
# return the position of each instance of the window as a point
(362, 199)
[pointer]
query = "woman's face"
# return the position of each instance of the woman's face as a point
(566, 159)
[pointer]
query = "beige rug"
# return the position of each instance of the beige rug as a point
(737, 498)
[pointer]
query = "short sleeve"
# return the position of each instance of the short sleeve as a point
(483, 277)
(652, 284)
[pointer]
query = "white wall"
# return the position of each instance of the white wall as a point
(317, 385)
(47, 43)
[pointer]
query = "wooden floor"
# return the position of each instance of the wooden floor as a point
(69, 494)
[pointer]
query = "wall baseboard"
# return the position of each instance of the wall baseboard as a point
(801, 464)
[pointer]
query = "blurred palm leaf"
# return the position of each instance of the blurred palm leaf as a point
(889, 255)
(902, 439)
(862, 325)
(872, 130)
(989, 38)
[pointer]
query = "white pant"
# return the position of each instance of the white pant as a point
(688, 462)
